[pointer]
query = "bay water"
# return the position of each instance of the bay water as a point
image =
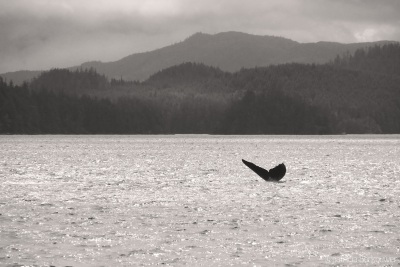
(187, 200)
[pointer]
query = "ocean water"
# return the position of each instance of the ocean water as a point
(189, 201)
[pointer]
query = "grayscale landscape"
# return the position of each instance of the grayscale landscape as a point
(199, 133)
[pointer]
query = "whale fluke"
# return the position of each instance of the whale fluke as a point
(273, 175)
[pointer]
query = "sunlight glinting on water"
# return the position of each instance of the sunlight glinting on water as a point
(189, 200)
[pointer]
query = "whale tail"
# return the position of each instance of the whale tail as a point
(273, 175)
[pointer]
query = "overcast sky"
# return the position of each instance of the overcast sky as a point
(41, 34)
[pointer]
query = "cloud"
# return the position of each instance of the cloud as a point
(40, 34)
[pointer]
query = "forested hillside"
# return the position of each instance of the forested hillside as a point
(24, 111)
(229, 51)
(376, 59)
(355, 93)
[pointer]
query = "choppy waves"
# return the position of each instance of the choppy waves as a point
(188, 200)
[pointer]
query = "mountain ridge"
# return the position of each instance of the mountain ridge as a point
(357, 93)
(229, 51)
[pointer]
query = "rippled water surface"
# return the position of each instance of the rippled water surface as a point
(188, 200)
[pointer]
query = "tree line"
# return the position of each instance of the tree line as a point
(357, 93)
(24, 111)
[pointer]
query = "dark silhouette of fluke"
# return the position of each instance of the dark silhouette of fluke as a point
(273, 175)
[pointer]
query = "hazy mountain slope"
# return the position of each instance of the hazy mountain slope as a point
(353, 94)
(229, 51)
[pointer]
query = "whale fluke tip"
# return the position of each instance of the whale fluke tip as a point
(273, 175)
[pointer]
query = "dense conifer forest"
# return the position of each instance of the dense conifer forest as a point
(357, 93)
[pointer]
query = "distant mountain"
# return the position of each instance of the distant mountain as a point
(229, 51)
(355, 93)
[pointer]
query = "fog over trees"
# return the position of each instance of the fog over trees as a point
(354, 93)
